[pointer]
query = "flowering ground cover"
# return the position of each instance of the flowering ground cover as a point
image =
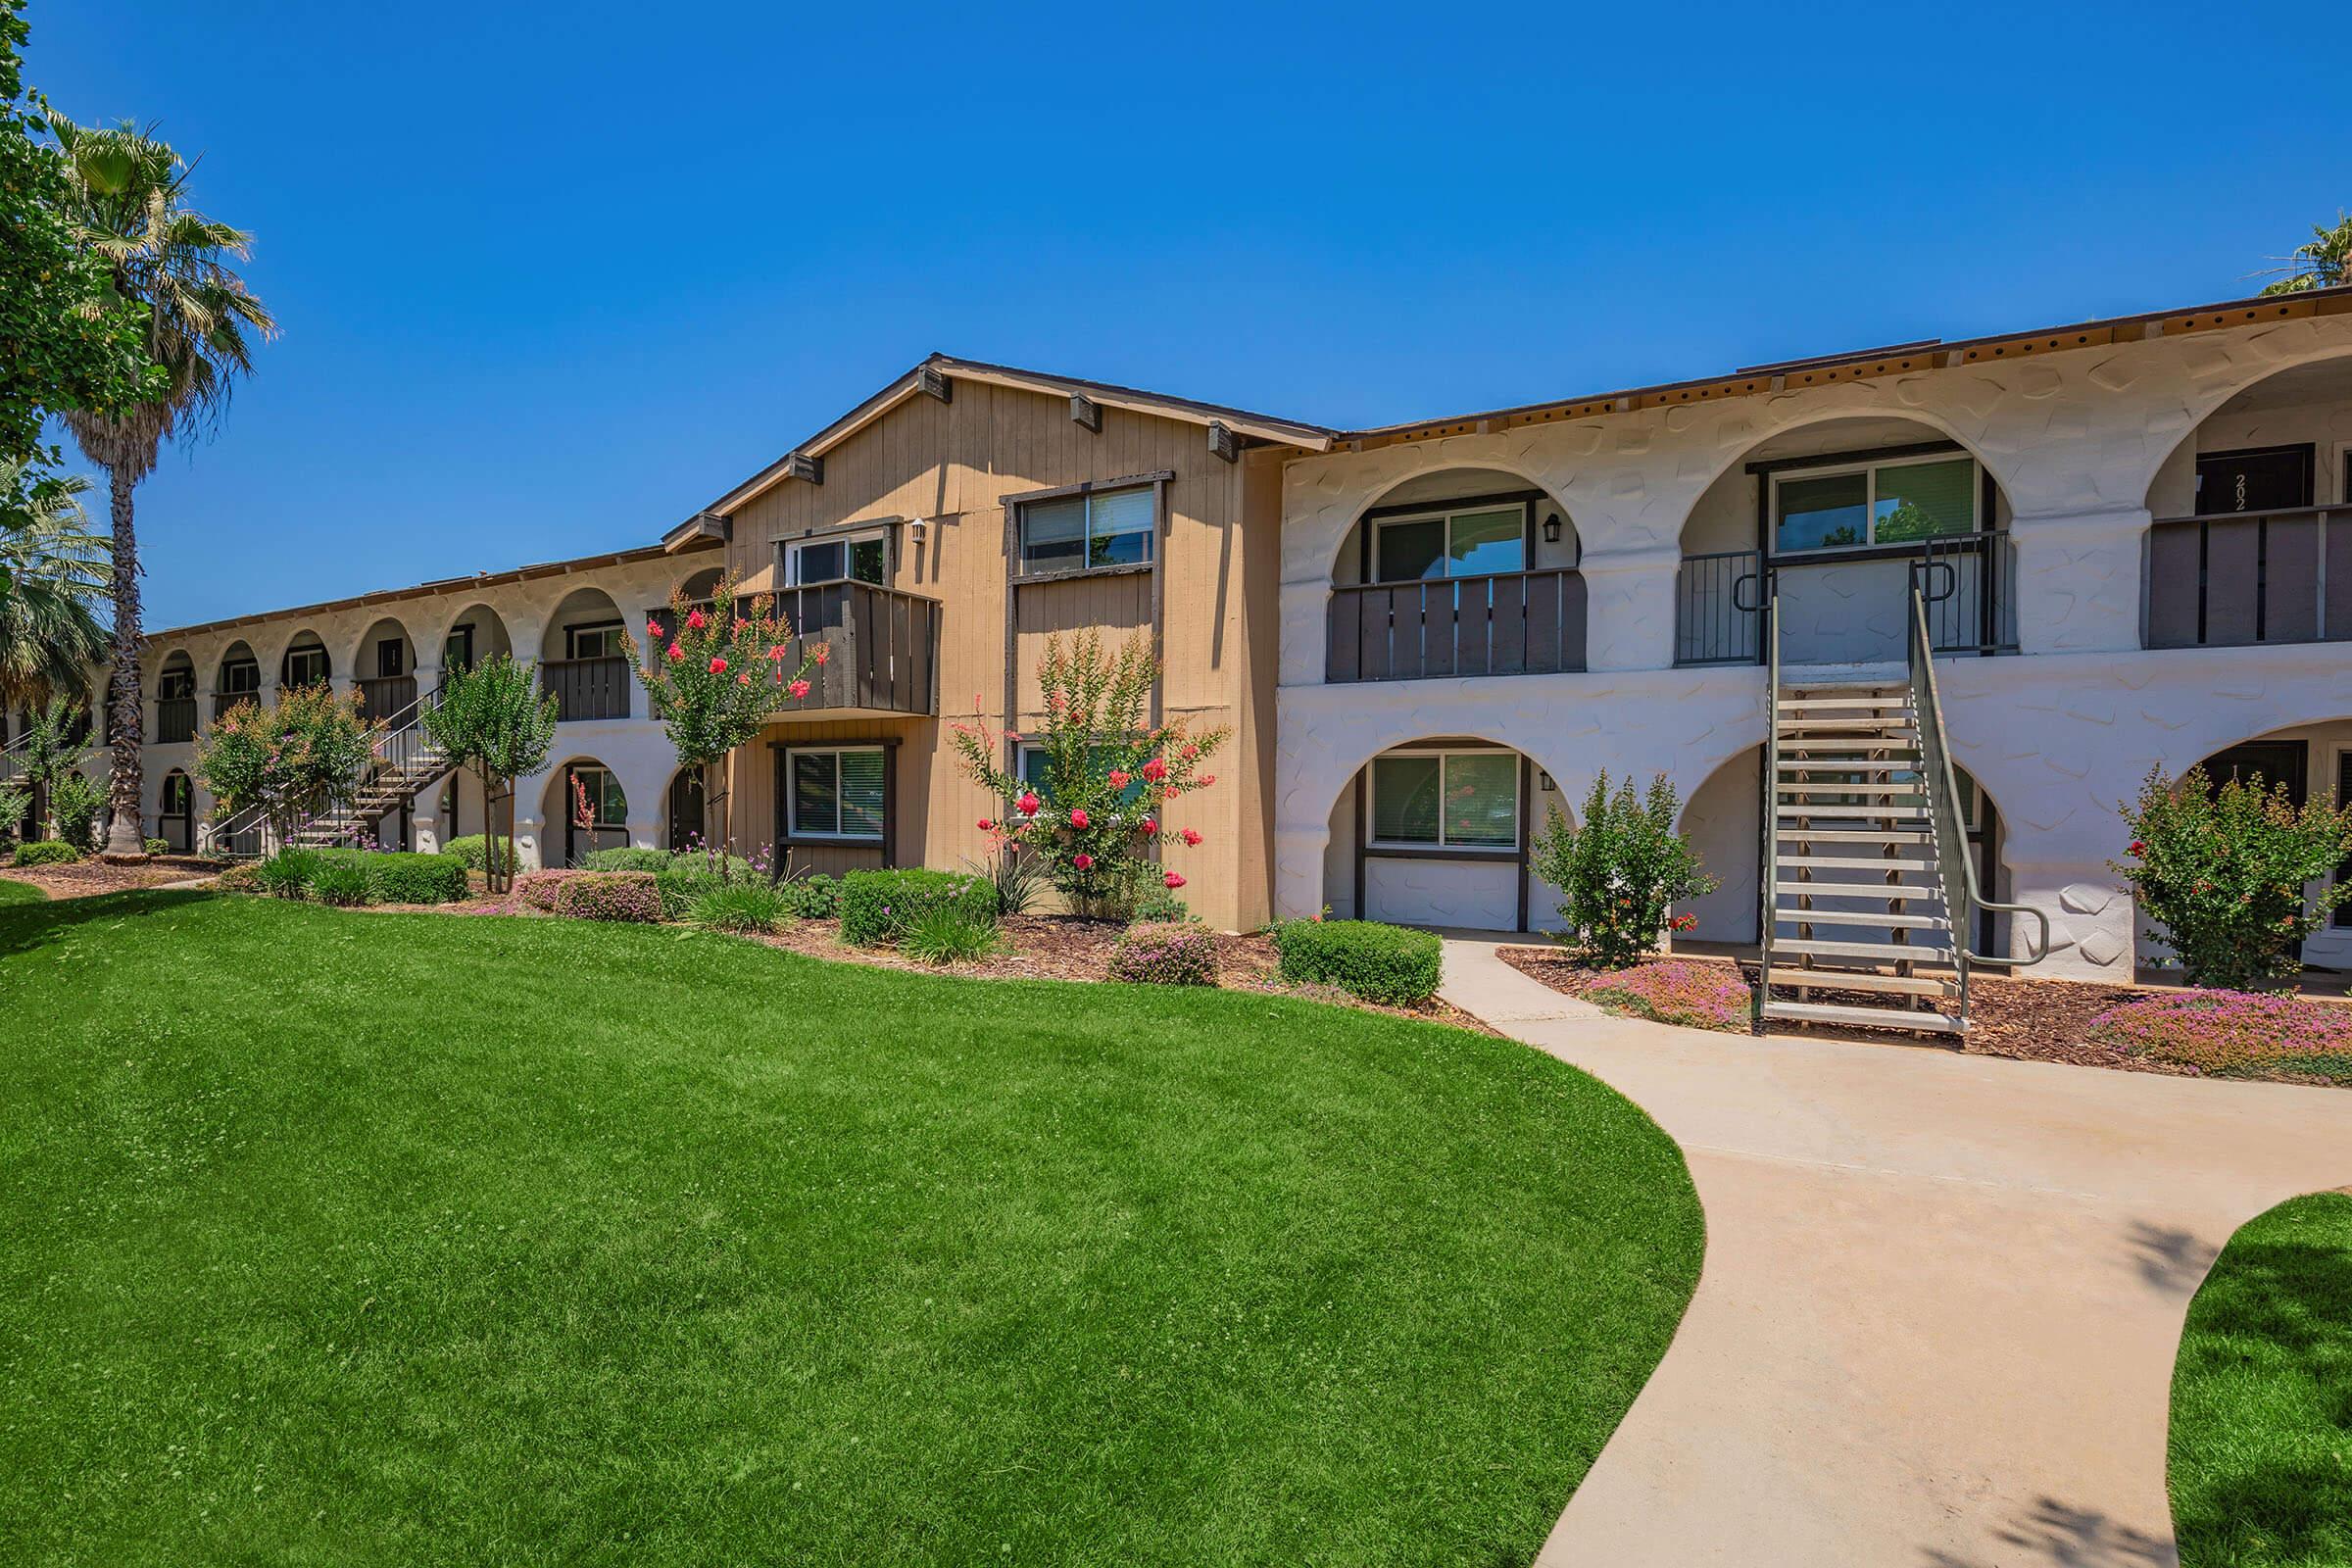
(394, 1238)
(1702, 996)
(2235, 1034)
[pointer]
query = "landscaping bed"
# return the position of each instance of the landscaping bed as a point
(79, 879)
(2033, 1020)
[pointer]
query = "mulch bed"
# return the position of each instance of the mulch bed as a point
(2029, 1020)
(81, 879)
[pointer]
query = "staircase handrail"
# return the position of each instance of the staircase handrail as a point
(399, 741)
(1769, 608)
(1942, 785)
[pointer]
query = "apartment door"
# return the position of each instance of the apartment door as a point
(2256, 480)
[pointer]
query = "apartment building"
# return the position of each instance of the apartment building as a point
(2114, 545)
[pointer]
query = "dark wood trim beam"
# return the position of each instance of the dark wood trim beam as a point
(1223, 444)
(1085, 411)
(801, 465)
(934, 382)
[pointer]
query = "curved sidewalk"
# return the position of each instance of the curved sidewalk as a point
(1941, 1297)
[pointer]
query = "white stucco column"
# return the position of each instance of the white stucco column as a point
(530, 829)
(1298, 869)
(645, 833)
(1628, 599)
(2093, 920)
(2078, 579)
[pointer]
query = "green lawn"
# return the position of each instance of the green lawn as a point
(2262, 1397)
(404, 1239)
(13, 891)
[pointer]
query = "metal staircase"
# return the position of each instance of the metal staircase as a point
(1868, 894)
(406, 762)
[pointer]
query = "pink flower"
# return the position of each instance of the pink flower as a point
(986, 826)
(676, 653)
(744, 679)
(799, 689)
(775, 655)
(1083, 861)
(1192, 836)
(820, 653)
(1028, 803)
(1173, 880)
(693, 618)
(1118, 777)
(719, 666)
(1189, 752)
(1078, 819)
(1205, 780)
(1154, 770)
(741, 626)
(653, 630)
(1148, 826)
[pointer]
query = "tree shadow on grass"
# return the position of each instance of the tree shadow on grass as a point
(25, 927)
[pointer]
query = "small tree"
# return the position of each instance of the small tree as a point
(2223, 872)
(494, 720)
(51, 752)
(716, 677)
(1621, 873)
(299, 756)
(1108, 775)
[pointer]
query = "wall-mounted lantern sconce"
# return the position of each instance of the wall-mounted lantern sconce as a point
(1551, 528)
(1544, 782)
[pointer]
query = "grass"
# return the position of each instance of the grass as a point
(13, 891)
(2261, 1456)
(386, 1239)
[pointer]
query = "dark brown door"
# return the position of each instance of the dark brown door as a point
(2257, 479)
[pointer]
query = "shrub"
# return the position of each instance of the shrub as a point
(340, 880)
(950, 934)
(46, 852)
(287, 873)
(627, 896)
(625, 861)
(1163, 952)
(681, 886)
(404, 879)
(78, 803)
(539, 890)
(1619, 874)
(1159, 905)
(240, 876)
(2222, 871)
(1697, 996)
(1384, 964)
(811, 898)
(2234, 1034)
(159, 845)
(877, 907)
(1019, 876)
(473, 851)
(746, 907)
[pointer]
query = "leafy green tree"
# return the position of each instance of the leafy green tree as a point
(60, 573)
(130, 209)
(51, 752)
(1621, 873)
(2324, 262)
(2221, 872)
(493, 720)
(297, 758)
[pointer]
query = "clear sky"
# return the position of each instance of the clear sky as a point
(553, 278)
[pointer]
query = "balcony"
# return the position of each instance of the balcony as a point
(175, 719)
(222, 702)
(881, 647)
(2246, 578)
(386, 697)
(588, 688)
(1848, 607)
(1508, 624)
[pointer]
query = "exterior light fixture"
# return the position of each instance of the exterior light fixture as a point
(1551, 528)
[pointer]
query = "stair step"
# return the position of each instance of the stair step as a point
(1808, 701)
(1881, 919)
(1904, 791)
(1799, 812)
(1848, 765)
(1864, 1017)
(1832, 835)
(1843, 726)
(1840, 862)
(1905, 892)
(1881, 952)
(1909, 985)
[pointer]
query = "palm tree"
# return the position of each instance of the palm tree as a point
(2324, 263)
(59, 572)
(130, 192)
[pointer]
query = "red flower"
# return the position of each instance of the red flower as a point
(1078, 819)
(986, 826)
(741, 625)
(676, 653)
(719, 666)
(1173, 880)
(799, 688)
(1028, 803)
(2139, 847)
(1192, 836)
(1118, 777)
(1083, 861)
(1205, 782)
(1150, 828)
(775, 655)
(1156, 770)
(820, 653)
(653, 630)
(693, 618)
(744, 679)
(1189, 752)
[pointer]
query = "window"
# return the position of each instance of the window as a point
(1451, 544)
(175, 685)
(608, 806)
(1034, 759)
(838, 794)
(390, 654)
(1099, 528)
(457, 649)
(179, 796)
(1875, 504)
(853, 557)
(1446, 799)
(306, 667)
(241, 677)
(602, 640)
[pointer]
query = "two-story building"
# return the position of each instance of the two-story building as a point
(2131, 541)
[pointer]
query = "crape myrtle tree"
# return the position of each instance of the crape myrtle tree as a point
(493, 720)
(1097, 809)
(303, 755)
(716, 673)
(1621, 871)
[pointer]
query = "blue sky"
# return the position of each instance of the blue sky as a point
(552, 278)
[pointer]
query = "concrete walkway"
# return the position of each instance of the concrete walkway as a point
(1941, 1297)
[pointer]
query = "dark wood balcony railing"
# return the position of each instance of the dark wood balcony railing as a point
(588, 688)
(387, 696)
(1969, 582)
(1509, 623)
(222, 702)
(881, 645)
(175, 719)
(2242, 578)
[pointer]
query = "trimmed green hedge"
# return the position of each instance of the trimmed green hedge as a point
(1384, 964)
(623, 896)
(877, 907)
(391, 876)
(625, 861)
(46, 852)
(473, 851)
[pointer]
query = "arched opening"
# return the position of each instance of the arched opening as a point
(683, 809)
(175, 698)
(1845, 515)
(2313, 762)
(475, 635)
(175, 812)
(386, 667)
(1464, 571)
(584, 658)
(237, 681)
(585, 810)
(699, 588)
(1437, 832)
(305, 662)
(2251, 537)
